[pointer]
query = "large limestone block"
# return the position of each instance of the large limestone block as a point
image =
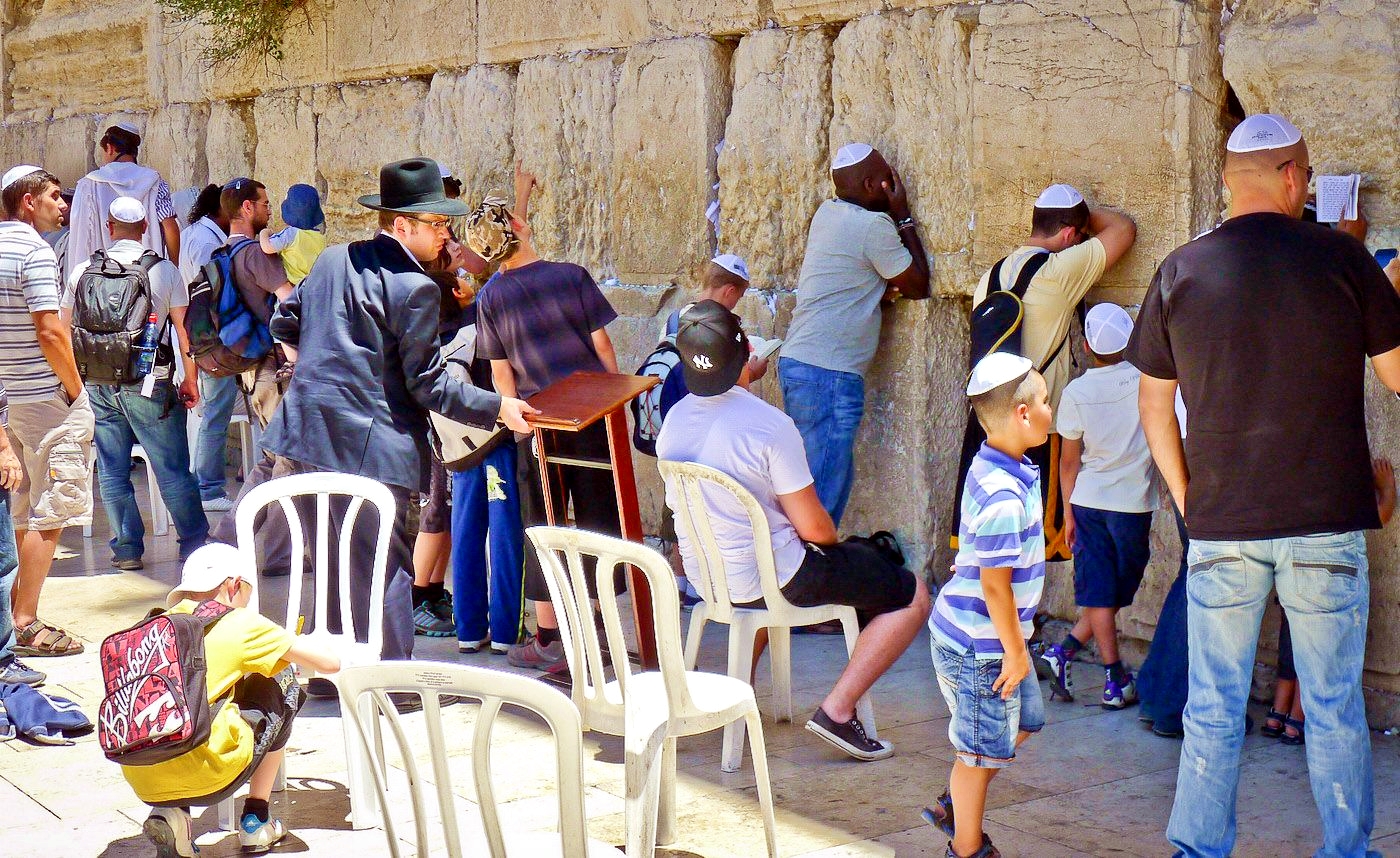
(22, 143)
(901, 83)
(401, 38)
(1119, 99)
(1334, 69)
(513, 30)
(69, 58)
(68, 148)
(285, 152)
(773, 168)
(715, 17)
(359, 128)
(230, 141)
(175, 144)
(306, 58)
(671, 101)
(467, 123)
(174, 64)
(792, 12)
(564, 134)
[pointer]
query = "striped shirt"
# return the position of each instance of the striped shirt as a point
(28, 284)
(1001, 527)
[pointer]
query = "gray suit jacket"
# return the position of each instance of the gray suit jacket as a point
(364, 323)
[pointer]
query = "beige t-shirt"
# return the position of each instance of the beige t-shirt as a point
(1054, 292)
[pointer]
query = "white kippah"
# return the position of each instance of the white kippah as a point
(1263, 131)
(443, 172)
(733, 264)
(128, 127)
(1059, 197)
(1108, 328)
(996, 369)
(127, 210)
(14, 174)
(850, 155)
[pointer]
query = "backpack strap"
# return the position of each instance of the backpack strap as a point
(1029, 269)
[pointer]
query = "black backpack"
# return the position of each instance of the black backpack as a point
(226, 337)
(996, 322)
(646, 408)
(111, 304)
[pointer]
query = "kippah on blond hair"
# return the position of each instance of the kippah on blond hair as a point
(490, 234)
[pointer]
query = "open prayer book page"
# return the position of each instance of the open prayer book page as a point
(764, 348)
(1337, 197)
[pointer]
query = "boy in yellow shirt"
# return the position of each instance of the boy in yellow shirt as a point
(250, 656)
(302, 241)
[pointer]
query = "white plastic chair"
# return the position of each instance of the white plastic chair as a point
(691, 483)
(160, 515)
(650, 710)
(371, 684)
(247, 437)
(321, 487)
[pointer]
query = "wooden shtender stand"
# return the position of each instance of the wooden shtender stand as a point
(573, 405)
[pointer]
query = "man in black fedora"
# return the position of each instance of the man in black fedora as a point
(364, 323)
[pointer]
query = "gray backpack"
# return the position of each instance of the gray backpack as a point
(111, 304)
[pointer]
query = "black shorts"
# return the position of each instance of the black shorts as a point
(435, 514)
(848, 573)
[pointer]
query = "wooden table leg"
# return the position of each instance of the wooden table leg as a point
(550, 515)
(625, 484)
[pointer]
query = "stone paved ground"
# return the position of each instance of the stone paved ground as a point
(1094, 783)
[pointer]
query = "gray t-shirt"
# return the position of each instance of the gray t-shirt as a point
(851, 254)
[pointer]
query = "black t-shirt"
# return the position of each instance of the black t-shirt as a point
(1266, 323)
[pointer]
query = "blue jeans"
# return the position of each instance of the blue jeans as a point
(1323, 586)
(827, 406)
(486, 509)
(1162, 679)
(9, 567)
(219, 396)
(124, 418)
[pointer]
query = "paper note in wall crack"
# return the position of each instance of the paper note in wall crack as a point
(1337, 197)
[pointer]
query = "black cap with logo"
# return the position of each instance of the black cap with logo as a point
(713, 348)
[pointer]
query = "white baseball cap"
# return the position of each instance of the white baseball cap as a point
(996, 369)
(1263, 131)
(209, 566)
(1059, 197)
(850, 155)
(733, 264)
(1107, 327)
(14, 174)
(127, 210)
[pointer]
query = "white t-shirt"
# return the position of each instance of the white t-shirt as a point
(198, 241)
(759, 446)
(1101, 408)
(168, 287)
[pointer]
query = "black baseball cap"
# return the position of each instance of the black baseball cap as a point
(713, 348)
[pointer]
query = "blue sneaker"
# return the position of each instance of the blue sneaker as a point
(256, 836)
(1117, 696)
(940, 815)
(427, 622)
(1056, 665)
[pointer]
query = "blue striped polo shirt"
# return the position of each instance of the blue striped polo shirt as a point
(1001, 527)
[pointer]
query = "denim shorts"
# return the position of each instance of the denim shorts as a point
(984, 727)
(1111, 550)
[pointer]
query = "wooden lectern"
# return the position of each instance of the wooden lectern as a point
(572, 405)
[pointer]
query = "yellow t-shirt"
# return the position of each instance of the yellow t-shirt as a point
(1054, 292)
(242, 642)
(299, 249)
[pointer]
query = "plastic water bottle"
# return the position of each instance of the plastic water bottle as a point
(146, 358)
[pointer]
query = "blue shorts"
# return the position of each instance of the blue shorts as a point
(984, 727)
(1111, 550)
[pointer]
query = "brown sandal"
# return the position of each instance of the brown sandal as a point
(40, 640)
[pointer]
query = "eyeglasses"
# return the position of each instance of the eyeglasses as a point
(444, 225)
(1294, 163)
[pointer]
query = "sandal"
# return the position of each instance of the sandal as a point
(41, 640)
(1269, 731)
(1295, 739)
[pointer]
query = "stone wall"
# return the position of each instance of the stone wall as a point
(639, 116)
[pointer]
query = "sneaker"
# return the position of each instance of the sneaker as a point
(849, 737)
(406, 702)
(688, 601)
(940, 815)
(443, 607)
(22, 674)
(987, 850)
(256, 836)
(223, 504)
(427, 622)
(473, 646)
(128, 564)
(500, 648)
(169, 829)
(1057, 671)
(1117, 696)
(531, 654)
(319, 686)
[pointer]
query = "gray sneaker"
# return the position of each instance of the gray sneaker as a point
(18, 672)
(531, 654)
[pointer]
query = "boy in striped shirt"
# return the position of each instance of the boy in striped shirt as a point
(982, 617)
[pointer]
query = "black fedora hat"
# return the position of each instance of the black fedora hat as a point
(413, 185)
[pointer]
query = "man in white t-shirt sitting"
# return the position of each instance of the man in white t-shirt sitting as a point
(723, 426)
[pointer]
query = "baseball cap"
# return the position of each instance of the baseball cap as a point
(850, 155)
(1059, 197)
(1107, 327)
(209, 566)
(713, 348)
(993, 371)
(733, 264)
(14, 174)
(1263, 131)
(127, 210)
